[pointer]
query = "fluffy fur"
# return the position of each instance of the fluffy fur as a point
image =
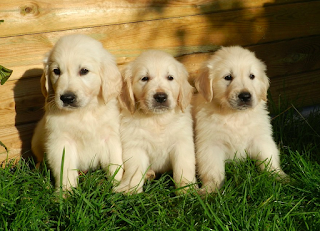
(81, 83)
(230, 115)
(156, 123)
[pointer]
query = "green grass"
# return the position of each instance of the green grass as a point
(249, 200)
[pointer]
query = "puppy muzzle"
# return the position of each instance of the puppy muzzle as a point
(160, 102)
(241, 101)
(69, 100)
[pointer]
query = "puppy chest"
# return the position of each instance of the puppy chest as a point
(156, 136)
(87, 135)
(224, 131)
(236, 136)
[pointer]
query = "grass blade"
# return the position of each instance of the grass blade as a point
(61, 178)
(296, 205)
(305, 120)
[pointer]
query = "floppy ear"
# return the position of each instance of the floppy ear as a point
(46, 87)
(204, 84)
(186, 90)
(126, 97)
(110, 78)
(264, 80)
(265, 86)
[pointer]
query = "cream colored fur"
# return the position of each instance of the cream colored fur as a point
(156, 137)
(228, 125)
(88, 128)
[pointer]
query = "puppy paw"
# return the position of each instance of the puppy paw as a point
(205, 190)
(66, 193)
(282, 177)
(125, 189)
(150, 175)
(121, 189)
(186, 188)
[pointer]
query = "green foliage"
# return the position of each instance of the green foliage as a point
(249, 200)
(4, 74)
(2, 144)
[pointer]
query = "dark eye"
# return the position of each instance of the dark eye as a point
(83, 71)
(170, 77)
(228, 78)
(251, 76)
(145, 79)
(56, 71)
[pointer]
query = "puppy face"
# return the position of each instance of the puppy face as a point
(78, 71)
(155, 82)
(234, 78)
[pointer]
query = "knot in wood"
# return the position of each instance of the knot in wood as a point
(30, 9)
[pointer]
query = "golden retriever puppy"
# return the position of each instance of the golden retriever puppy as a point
(81, 83)
(156, 122)
(231, 119)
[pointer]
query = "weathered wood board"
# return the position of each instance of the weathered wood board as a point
(283, 33)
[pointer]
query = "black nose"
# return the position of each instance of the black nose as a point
(245, 96)
(160, 97)
(68, 98)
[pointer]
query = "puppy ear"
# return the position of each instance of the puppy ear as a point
(110, 78)
(45, 83)
(264, 80)
(264, 87)
(186, 90)
(126, 97)
(204, 84)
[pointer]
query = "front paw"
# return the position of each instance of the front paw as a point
(115, 173)
(208, 189)
(186, 188)
(120, 188)
(125, 189)
(282, 177)
(150, 175)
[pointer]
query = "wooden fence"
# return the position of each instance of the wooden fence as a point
(283, 33)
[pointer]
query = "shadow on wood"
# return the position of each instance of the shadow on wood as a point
(29, 104)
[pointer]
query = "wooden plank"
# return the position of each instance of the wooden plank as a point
(301, 89)
(21, 102)
(178, 36)
(17, 139)
(282, 58)
(21, 17)
(290, 57)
